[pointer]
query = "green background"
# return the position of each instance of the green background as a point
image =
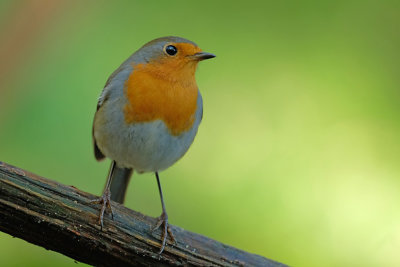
(297, 157)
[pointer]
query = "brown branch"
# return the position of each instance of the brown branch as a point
(60, 218)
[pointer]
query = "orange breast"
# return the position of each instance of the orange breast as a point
(162, 91)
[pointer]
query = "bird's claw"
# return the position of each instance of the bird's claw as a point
(105, 200)
(166, 230)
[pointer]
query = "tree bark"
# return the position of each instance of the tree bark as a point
(60, 218)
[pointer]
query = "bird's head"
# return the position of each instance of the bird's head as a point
(172, 58)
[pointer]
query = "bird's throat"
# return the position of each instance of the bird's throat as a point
(166, 93)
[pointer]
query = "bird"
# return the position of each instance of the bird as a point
(147, 117)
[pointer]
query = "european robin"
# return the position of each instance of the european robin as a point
(147, 116)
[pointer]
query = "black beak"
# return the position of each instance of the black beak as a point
(203, 55)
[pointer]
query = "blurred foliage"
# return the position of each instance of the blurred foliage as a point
(297, 158)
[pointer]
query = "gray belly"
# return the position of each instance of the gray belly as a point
(145, 147)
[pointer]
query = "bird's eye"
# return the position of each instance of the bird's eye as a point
(171, 50)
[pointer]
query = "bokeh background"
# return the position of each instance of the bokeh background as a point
(297, 158)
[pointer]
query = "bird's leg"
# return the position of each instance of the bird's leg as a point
(163, 220)
(105, 199)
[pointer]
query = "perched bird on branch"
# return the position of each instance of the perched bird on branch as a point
(147, 116)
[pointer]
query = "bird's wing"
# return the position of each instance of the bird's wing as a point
(103, 98)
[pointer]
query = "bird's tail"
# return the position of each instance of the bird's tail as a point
(119, 182)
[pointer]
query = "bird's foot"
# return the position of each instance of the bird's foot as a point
(166, 230)
(105, 201)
